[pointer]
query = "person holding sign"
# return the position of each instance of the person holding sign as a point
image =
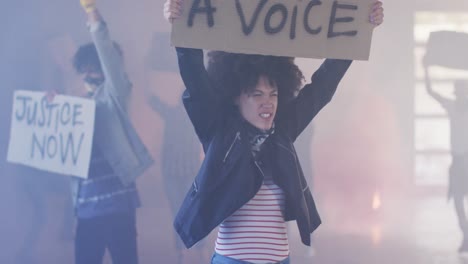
(106, 201)
(247, 110)
(457, 110)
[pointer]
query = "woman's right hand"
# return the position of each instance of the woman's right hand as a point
(172, 9)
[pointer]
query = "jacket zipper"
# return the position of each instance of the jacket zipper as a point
(232, 145)
(195, 186)
(260, 169)
(195, 189)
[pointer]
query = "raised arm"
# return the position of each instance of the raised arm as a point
(443, 101)
(116, 80)
(297, 114)
(202, 103)
(201, 100)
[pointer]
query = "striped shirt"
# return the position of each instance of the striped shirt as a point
(256, 233)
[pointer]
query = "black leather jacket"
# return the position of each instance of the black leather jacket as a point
(229, 176)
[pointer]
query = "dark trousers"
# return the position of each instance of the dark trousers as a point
(115, 232)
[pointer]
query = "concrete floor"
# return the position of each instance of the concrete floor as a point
(421, 230)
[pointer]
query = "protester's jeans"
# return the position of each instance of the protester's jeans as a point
(220, 259)
(115, 232)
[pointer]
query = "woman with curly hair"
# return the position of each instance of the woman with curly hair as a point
(247, 110)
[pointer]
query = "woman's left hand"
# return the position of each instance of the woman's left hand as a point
(376, 15)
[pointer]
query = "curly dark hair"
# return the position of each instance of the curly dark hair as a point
(236, 73)
(86, 57)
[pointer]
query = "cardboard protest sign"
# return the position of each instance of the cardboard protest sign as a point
(54, 136)
(297, 28)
